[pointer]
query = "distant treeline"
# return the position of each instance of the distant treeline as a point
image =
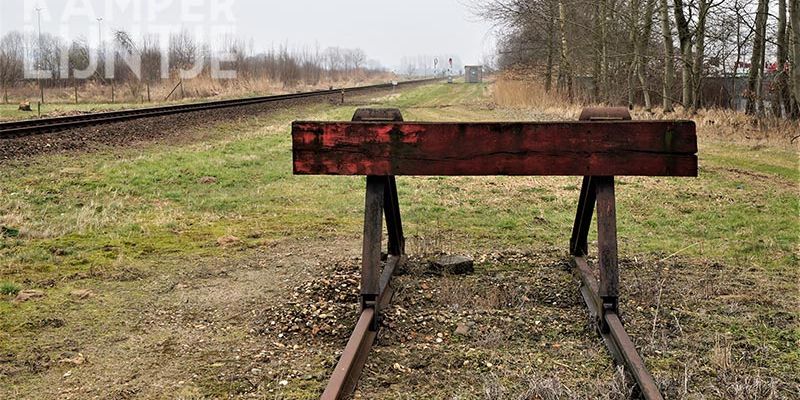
(147, 60)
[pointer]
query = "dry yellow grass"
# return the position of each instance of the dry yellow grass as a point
(718, 124)
(731, 125)
(202, 87)
(526, 94)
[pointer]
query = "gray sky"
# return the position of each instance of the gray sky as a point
(386, 29)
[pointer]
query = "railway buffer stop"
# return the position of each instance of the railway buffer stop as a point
(604, 144)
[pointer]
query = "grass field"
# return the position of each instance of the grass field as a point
(96, 98)
(10, 112)
(179, 247)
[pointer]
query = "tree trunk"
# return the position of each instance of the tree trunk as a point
(669, 57)
(643, 40)
(604, 51)
(633, 40)
(780, 101)
(548, 79)
(756, 60)
(597, 54)
(794, 12)
(700, 48)
(760, 85)
(548, 76)
(735, 91)
(685, 37)
(564, 70)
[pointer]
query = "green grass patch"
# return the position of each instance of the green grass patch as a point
(72, 213)
(9, 289)
(10, 112)
(103, 219)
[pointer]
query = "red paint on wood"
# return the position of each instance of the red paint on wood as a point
(657, 148)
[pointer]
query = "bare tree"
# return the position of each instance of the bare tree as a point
(669, 56)
(794, 12)
(685, 38)
(565, 78)
(186, 56)
(359, 58)
(782, 99)
(78, 59)
(610, 50)
(551, 23)
(141, 62)
(151, 62)
(11, 61)
(642, 26)
(755, 103)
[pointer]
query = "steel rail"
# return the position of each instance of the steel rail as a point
(15, 129)
(348, 370)
(616, 339)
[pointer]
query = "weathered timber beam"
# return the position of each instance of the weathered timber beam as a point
(618, 148)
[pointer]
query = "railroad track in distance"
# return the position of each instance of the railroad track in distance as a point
(17, 129)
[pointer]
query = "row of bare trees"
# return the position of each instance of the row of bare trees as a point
(636, 51)
(137, 63)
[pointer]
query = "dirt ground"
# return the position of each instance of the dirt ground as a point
(189, 333)
(272, 326)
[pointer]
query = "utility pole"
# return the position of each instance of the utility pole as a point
(99, 41)
(100, 32)
(41, 55)
(100, 35)
(102, 55)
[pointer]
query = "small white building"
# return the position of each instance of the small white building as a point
(474, 73)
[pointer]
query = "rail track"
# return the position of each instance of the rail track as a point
(16, 129)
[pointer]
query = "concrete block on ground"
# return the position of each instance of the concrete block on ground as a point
(453, 265)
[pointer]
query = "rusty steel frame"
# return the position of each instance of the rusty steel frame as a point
(601, 293)
(376, 285)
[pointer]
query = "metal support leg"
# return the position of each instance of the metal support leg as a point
(607, 244)
(602, 297)
(394, 224)
(578, 244)
(371, 250)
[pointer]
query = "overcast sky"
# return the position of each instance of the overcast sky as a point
(386, 29)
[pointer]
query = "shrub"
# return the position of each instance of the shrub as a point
(8, 288)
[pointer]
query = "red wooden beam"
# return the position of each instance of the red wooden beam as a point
(619, 148)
